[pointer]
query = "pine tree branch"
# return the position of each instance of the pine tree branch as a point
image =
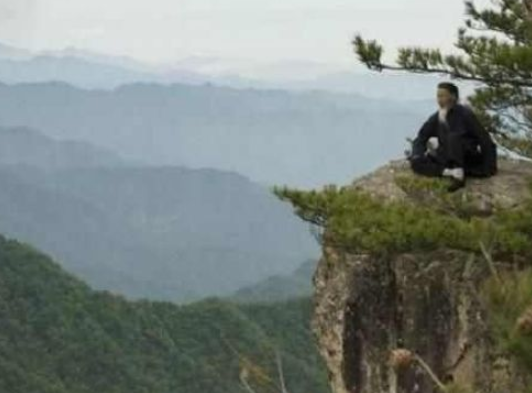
(454, 75)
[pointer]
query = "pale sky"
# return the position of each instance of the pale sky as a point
(260, 31)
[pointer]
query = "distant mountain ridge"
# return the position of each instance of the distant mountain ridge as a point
(25, 146)
(13, 53)
(87, 73)
(277, 288)
(92, 70)
(155, 232)
(272, 137)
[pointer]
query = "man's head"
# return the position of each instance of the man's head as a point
(448, 95)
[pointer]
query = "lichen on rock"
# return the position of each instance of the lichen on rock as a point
(403, 266)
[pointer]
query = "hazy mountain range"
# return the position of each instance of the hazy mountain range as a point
(157, 232)
(270, 136)
(160, 189)
(98, 71)
(27, 147)
(297, 284)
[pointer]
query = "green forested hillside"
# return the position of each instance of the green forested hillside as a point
(57, 335)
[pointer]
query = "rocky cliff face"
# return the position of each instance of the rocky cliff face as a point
(368, 305)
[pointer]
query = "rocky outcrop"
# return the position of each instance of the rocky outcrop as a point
(367, 305)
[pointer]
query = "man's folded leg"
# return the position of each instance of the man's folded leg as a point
(453, 155)
(431, 167)
(426, 165)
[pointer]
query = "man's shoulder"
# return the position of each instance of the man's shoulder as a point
(463, 109)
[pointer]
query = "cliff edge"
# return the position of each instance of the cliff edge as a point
(426, 300)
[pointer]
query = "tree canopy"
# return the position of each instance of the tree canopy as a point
(57, 336)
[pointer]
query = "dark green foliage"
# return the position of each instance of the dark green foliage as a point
(508, 298)
(282, 322)
(495, 48)
(357, 222)
(57, 335)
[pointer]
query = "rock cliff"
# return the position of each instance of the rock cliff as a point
(367, 305)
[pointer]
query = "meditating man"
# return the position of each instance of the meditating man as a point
(452, 143)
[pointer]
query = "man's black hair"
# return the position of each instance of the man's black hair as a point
(451, 88)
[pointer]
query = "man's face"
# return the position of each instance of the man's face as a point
(445, 98)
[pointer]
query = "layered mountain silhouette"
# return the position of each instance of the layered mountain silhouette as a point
(282, 287)
(25, 146)
(159, 232)
(272, 137)
(93, 70)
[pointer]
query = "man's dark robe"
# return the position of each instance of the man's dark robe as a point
(463, 143)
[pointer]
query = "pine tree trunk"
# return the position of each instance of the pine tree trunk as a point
(528, 6)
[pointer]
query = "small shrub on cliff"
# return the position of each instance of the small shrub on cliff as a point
(433, 192)
(509, 301)
(355, 221)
